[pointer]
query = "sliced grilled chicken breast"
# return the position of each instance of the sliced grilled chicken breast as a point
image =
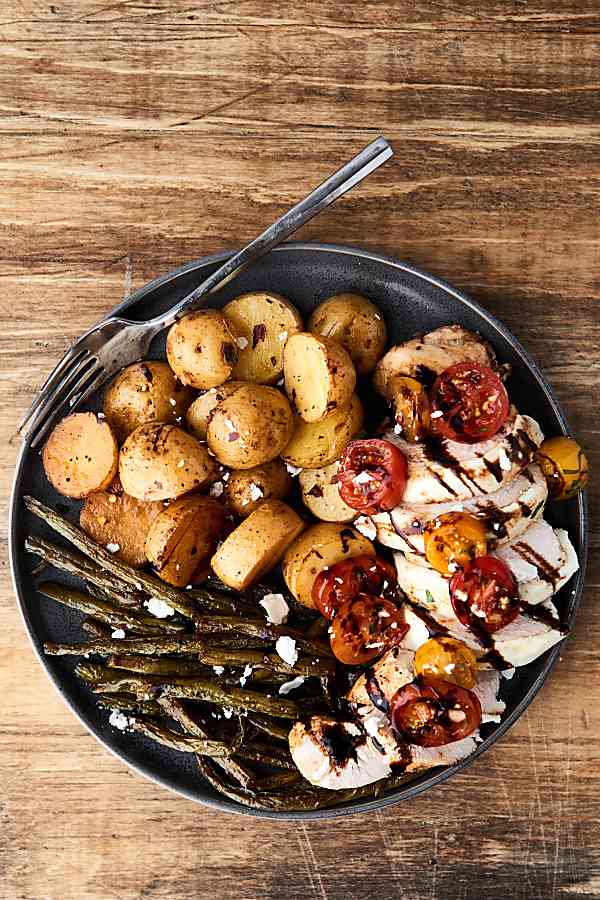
(507, 513)
(426, 357)
(447, 472)
(542, 559)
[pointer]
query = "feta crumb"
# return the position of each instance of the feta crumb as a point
(450, 668)
(158, 608)
(113, 548)
(286, 649)
(172, 401)
(282, 336)
(227, 712)
(352, 729)
(242, 342)
(112, 498)
(275, 608)
(101, 415)
(507, 673)
(181, 464)
(363, 477)
(246, 675)
(397, 428)
(291, 685)
(118, 633)
(225, 476)
(383, 614)
(118, 720)
(218, 670)
(293, 470)
(216, 489)
(436, 414)
(371, 725)
(366, 526)
(456, 715)
(505, 463)
(256, 492)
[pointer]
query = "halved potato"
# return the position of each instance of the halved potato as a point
(318, 547)
(200, 411)
(319, 375)
(262, 322)
(202, 349)
(250, 488)
(357, 324)
(114, 519)
(321, 495)
(81, 455)
(257, 544)
(162, 462)
(144, 392)
(316, 444)
(250, 427)
(183, 537)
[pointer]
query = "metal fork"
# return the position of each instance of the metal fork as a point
(116, 342)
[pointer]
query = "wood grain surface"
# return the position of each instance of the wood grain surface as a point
(137, 135)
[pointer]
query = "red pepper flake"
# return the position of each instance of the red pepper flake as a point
(233, 436)
(316, 491)
(258, 334)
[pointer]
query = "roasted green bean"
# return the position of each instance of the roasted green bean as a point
(306, 666)
(148, 665)
(269, 726)
(181, 742)
(129, 703)
(230, 624)
(149, 646)
(238, 699)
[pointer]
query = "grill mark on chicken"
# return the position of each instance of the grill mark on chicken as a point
(436, 451)
(541, 613)
(546, 572)
(494, 468)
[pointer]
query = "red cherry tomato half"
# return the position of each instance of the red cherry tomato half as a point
(472, 401)
(431, 712)
(364, 628)
(344, 580)
(485, 594)
(372, 475)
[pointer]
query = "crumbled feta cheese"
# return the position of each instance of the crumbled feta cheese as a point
(371, 725)
(181, 464)
(245, 675)
(397, 428)
(242, 342)
(216, 489)
(218, 670)
(293, 470)
(286, 649)
(256, 492)
(172, 401)
(437, 414)
(505, 463)
(456, 715)
(366, 526)
(158, 608)
(227, 712)
(113, 548)
(118, 720)
(383, 614)
(450, 668)
(101, 415)
(363, 477)
(291, 685)
(282, 336)
(118, 633)
(352, 729)
(275, 607)
(507, 673)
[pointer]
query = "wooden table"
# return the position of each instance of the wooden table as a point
(137, 135)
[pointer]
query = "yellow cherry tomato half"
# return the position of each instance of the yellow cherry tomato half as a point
(447, 658)
(411, 407)
(453, 540)
(564, 465)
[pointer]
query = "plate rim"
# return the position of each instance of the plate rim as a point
(438, 776)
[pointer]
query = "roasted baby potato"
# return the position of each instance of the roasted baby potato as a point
(319, 546)
(81, 455)
(202, 349)
(319, 375)
(144, 392)
(257, 544)
(161, 462)
(316, 444)
(183, 537)
(250, 427)
(321, 495)
(250, 488)
(114, 519)
(358, 326)
(262, 322)
(201, 409)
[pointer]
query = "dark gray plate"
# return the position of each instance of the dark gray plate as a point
(411, 301)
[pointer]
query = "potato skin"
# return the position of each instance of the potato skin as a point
(263, 321)
(272, 478)
(202, 408)
(317, 444)
(81, 455)
(146, 391)
(162, 462)
(319, 375)
(113, 517)
(250, 427)
(201, 349)
(257, 544)
(182, 538)
(319, 546)
(321, 496)
(357, 324)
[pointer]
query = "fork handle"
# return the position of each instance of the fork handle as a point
(365, 162)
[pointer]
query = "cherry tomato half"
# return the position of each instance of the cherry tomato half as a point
(364, 628)
(372, 475)
(453, 540)
(472, 401)
(447, 658)
(485, 594)
(411, 406)
(564, 465)
(431, 712)
(346, 579)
